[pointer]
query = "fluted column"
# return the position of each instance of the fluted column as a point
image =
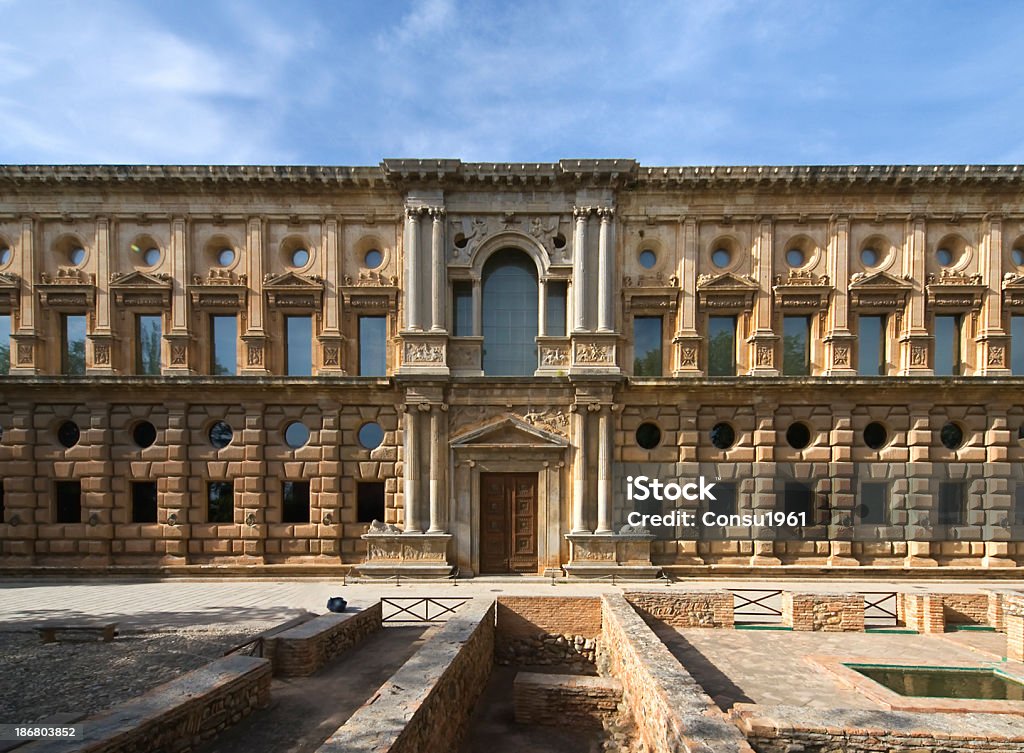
(579, 470)
(437, 468)
(605, 271)
(411, 469)
(437, 266)
(604, 470)
(579, 268)
(412, 277)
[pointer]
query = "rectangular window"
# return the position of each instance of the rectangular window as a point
(147, 344)
(224, 339)
(555, 311)
(724, 502)
(874, 503)
(73, 345)
(373, 336)
(1018, 505)
(462, 308)
(144, 502)
(796, 345)
(721, 346)
(871, 346)
(3, 508)
(369, 501)
(5, 343)
(798, 498)
(952, 503)
(298, 350)
(69, 501)
(1017, 344)
(220, 502)
(294, 501)
(647, 346)
(947, 345)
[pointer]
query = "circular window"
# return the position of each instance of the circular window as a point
(68, 434)
(648, 435)
(300, 257)
(296, 434)
(875, 435)
(869, 257)
(723, 436)
(226, 256)
(1017, 255)
(795, 257)
(558, 241)
(5, 255)
(151, 257)
(798, 435)
(648, 258)
(144, 434)
(221, 434)
(77, 255)
(944, 257)
(952, 436)
(373, 259)
(461, 240)
(721, 257)
(371, 435)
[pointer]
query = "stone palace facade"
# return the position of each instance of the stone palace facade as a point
(249, 366)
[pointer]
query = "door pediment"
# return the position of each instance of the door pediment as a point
(510, 433)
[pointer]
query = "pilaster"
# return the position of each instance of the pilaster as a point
(839, 341)
(915, 340)
(763, 342)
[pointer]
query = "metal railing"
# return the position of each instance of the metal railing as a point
(405, 610)
(880, 609)
(757, 606)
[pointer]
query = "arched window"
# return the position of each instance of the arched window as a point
(510, 314)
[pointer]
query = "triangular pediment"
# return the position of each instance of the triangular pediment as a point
(880, 280)
(509, 432)
(1013, 282)
(138, 279)
(725, 281)
(291, 281)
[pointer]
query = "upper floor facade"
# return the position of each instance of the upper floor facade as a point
(438, 268)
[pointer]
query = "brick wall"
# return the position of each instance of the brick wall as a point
(1015, 637)
(426, 704)
(965, 609)
(572, 700)
(836, 613)
(784, 729)
(547, 630)
(302, 650)
(713, 609)
(673, 713)
(179, 715)
(924, 613)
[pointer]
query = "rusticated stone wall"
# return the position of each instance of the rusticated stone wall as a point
(303, 649)
(711, 609)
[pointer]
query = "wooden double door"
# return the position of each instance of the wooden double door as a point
(508, 522)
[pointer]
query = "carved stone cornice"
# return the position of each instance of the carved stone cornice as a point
(802, 291)
(955, 291)
(370, 291)
(878, 291)
(141, 289)
(294, 292)
(10, 289)
(1013, 292)
(71, 289)
(220, 289)
(726, 292)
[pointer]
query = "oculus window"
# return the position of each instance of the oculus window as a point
(510, 316)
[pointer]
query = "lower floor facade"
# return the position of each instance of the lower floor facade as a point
(429, 476)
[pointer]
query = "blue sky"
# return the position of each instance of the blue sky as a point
(730, 82)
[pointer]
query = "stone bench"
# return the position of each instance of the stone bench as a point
(302, 650)
(104, 631)
(179, 715)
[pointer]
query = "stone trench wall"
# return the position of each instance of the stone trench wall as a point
(548, 630)
(304, 649)
(837, 612)
(710, 609)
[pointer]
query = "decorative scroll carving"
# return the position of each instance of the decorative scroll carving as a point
(554, 420)
(221, 277)
(68, 276)
(369, 280)
(955, 290)
(802, 290)
(220, 289)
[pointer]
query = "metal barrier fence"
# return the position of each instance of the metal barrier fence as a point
(757, 606)
(418, 609)
(880, 609)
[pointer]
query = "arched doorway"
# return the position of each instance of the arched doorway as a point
(509, 314)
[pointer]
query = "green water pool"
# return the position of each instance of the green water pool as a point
(944, 682)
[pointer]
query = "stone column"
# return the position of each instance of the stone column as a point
(437, 266)
(763, 341)
(411, 470)
(331, 360)
(991, 358)
(915, 339)
(412, 278)
(579, 469)
(579, 268)
(542, 308)
(605, 271)
(604, 470)
(438, 464)
(101, 337)
(839, 340)
(478, 308)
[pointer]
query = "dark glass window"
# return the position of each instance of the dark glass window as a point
(510, 314)
(874, 503)
(462, 306)
(73, 350)
(147, 344)
(947, 345)
(220, 502)
(369, 501)
(648, 435)
(294, 501)
(798, 497)
(373, 335)
(5, 343)
(1016, 344)
(647, 359)
(3, 508)
(298, 345)
(224, 341)
(796, 345)
(144, 434)
(798, 435)
(722, 346)
(952, 503)
(69, 501)
(144, 502)
(875, 435)
(871, 346)
(68, 434)
(557, 296)
(724, 502)
(1018, 505)
(723, 436)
